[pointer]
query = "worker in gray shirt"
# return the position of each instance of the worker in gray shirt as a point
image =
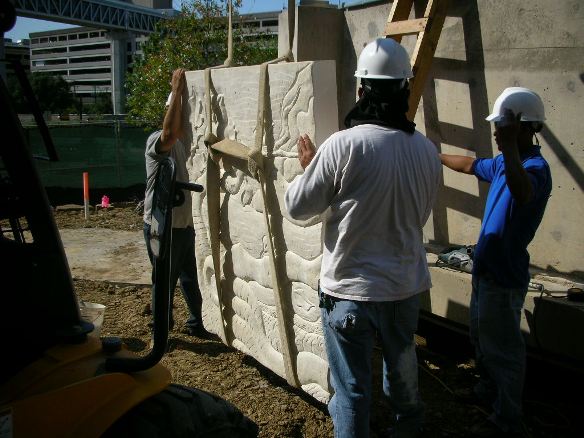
(161, 144)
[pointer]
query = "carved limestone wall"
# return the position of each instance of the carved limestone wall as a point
(302, 99)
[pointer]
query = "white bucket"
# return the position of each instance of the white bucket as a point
(93, 313)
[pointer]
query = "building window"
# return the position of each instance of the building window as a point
(93, 34)
(93, 83)
(270, 23)
(44, 40)
(89, 71)
(82, 47)
(73, 36)
(42, 62)
(83, 36)
(49, 50)
(55, 72)
(89, 59)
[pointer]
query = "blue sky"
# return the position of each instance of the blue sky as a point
(25, 25)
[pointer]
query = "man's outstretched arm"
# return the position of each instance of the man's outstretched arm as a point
(172, 125)
(458, 163)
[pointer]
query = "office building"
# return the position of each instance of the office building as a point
(17, 51)
(86, 57)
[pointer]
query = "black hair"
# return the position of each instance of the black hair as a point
(383, 102)
(536, 126)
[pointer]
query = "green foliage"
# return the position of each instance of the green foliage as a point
(51, 92)
(102, 105)
(195, 40)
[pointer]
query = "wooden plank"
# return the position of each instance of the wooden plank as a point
(424, 51)
(408, 27)
(400, 11)
(232, 148)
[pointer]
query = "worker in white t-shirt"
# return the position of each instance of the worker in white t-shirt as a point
(378, 178)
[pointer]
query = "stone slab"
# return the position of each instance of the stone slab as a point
(302, 99)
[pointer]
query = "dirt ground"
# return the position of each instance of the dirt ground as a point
(552, 404)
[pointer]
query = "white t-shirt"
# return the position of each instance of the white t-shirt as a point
(182, 216)
(380, 185)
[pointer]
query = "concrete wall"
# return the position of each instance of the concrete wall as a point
(485, 46)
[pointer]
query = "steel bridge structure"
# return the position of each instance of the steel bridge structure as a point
(103, 14)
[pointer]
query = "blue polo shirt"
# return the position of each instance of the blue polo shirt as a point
(508, 227)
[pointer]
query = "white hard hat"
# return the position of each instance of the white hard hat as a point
(519, 100)
(168, 100)
(384, 58)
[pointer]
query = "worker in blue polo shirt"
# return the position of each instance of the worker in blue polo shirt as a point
(520, 187)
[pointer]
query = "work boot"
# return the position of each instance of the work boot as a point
(197, 331)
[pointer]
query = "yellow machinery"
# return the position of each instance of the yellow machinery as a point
(57, 378)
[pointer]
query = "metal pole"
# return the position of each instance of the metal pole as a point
(86, 194)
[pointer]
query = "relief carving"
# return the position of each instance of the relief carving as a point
(249, 301)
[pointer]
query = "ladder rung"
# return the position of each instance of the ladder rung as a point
(408, 27)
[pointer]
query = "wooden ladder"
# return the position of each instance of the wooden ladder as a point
(428, 29)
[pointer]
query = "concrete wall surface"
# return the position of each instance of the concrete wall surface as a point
(486, 46)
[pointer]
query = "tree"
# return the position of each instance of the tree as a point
(195, 40)
(102, 105)
(52, 93)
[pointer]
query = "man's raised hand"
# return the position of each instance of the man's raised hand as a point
(306, 150)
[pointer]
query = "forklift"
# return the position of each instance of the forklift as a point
(57, 376)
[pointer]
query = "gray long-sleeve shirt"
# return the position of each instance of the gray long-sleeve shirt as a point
(182, 216)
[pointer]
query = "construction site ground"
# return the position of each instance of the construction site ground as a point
(108, 261)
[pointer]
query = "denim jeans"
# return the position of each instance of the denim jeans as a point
(495, 316)
(183, 268)
(350, 329)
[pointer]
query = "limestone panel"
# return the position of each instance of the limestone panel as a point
(302, 99)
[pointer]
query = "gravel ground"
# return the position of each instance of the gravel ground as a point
(552, 404)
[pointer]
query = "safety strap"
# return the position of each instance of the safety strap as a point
(214, 205)
(213, 181)
(256, 167)
(229, 61)
(291, 28)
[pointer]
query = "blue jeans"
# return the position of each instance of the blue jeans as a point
(183, 268)
(350, 329)
(495, 316)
